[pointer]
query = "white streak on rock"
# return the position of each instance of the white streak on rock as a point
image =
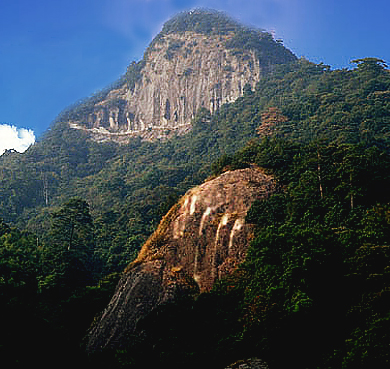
(222, 223)
(204, 216)
(193, 203)
(238, 224)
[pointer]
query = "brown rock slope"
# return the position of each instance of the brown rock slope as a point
(201, 239)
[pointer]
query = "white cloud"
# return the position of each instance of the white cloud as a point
(15, 138)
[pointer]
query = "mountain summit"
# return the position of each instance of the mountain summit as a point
(200, 59)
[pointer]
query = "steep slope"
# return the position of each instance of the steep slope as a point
(201, 59)
(201, 239)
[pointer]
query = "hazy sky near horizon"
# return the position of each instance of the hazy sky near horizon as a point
(53, 53)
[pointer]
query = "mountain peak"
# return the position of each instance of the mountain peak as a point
(201, 20)
(201, 59)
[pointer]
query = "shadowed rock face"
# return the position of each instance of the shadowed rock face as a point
(201, 239)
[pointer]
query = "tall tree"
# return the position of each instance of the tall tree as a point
(69, 248)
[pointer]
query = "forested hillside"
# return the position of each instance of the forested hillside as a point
(314, 290)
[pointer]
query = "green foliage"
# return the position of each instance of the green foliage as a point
(201, 21)
(39, 325)
(240, 38)
(266, 49)
(67, 256)
(19, 258)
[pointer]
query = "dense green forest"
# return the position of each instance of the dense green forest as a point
(314, 291)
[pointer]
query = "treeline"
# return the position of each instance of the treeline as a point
(201, 21)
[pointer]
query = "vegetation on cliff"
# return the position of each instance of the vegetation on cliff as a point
(241, 38)
(233, 36)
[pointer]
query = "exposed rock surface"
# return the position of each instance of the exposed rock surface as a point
(180, 73)
(253, 363)
(201, 74)
(202, 238)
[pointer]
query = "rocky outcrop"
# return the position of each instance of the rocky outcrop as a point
(180, 73)
(201, 239)
(253, 363)
(175, 82)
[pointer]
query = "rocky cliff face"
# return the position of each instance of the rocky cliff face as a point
(181, 74)
(182, 71)
(201, 239)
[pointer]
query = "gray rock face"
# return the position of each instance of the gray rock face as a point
(182, 73)
(201, 239)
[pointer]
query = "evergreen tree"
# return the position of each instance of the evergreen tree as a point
(68, 254)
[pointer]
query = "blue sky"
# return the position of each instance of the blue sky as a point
(54, 52)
